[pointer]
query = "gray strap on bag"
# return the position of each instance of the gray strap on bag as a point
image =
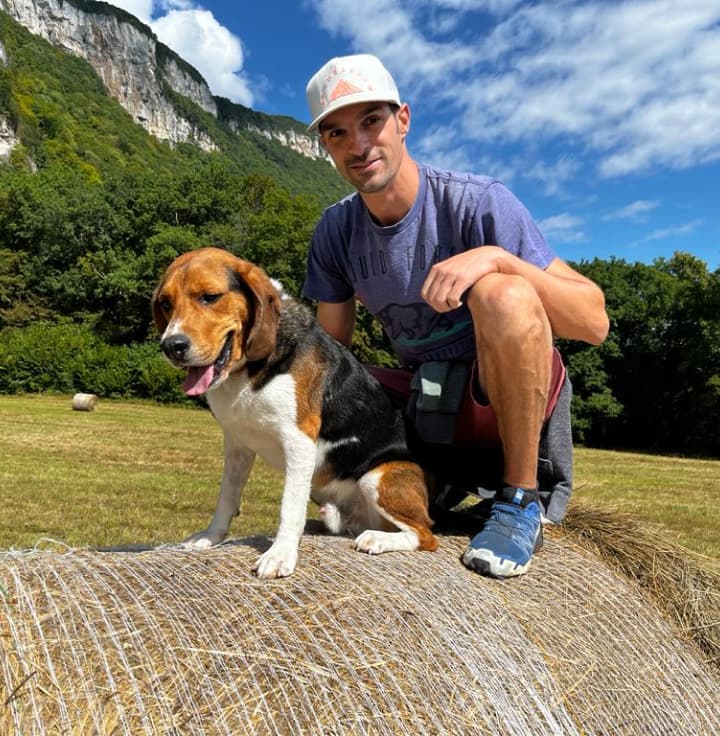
(437, 391)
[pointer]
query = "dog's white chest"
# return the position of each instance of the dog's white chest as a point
(264, 420)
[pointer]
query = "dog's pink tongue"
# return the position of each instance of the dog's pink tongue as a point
(198, 380)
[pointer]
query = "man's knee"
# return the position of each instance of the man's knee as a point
(504, 304)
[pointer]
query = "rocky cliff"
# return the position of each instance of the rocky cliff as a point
(137, 70)
(7, 134)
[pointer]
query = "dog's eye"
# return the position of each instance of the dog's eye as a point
(209, 298)
(165, 305)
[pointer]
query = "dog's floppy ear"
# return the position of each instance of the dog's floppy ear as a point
(158, 316)
(260, 340)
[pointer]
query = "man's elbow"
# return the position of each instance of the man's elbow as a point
(598, 329)
(597, 321)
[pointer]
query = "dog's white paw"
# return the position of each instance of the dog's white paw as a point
(375, 542)
(278, 562)
(202, 540)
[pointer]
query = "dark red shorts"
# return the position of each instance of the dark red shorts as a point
(476, 423)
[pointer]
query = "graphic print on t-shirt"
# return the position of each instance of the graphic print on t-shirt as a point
(375, 263)
(411, 327)
(412, 321)
(415, 324)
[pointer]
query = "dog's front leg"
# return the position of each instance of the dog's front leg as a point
(236, 470)
(280, 560)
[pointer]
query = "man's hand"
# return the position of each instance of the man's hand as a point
(574, 304)
(450, 279)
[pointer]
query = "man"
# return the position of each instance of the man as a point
(456, 270)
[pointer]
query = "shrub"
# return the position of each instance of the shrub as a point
(67, 358)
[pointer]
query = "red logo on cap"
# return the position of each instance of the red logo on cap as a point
(342, 88)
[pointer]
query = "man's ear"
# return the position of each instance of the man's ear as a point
(403, 118)
(260, 340)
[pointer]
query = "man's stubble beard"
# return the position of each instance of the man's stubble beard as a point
(375, 185)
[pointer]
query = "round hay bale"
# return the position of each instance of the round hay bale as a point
(84, 402)
(170, 641)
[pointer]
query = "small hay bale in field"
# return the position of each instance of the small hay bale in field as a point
(174, 642)
(84, 402)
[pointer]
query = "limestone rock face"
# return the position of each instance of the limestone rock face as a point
(135, 69)
(304, 144)
(8, 139)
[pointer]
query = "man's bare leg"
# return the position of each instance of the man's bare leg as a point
(514, 344)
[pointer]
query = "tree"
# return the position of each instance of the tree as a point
(661, 360)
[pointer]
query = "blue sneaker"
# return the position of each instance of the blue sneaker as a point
(511, 535)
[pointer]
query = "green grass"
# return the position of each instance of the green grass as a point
(133, 473)
(129, 473)
(682, 494)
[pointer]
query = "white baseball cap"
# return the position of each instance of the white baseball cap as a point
(346, 80)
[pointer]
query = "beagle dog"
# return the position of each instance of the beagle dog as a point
(281, 388)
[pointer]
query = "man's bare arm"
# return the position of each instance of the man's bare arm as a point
(574, 304)
(338, 319)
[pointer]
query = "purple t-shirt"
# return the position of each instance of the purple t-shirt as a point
(385, 267)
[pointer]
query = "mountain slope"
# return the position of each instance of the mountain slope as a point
(56, 106)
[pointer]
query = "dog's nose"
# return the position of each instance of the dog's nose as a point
(176, 346)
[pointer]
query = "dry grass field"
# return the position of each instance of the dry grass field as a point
(134, 473)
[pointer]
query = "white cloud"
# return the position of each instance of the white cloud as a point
(554, 177)
(633, 211)
(563, 228)
(439, 147)
(217, 54)
(672, 232)
(489, 6)
(416, 62)
(142, 9)
(196, 36)
(176, 4)
(633, 83)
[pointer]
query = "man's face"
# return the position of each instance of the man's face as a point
(366, 143)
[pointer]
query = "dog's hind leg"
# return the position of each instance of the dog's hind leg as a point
(398, 492)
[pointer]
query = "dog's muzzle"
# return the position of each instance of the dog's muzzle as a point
(176, 347)
(200, 377)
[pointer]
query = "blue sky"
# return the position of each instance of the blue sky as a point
(603, 117)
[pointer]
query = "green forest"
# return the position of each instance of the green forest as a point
(92, 210)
